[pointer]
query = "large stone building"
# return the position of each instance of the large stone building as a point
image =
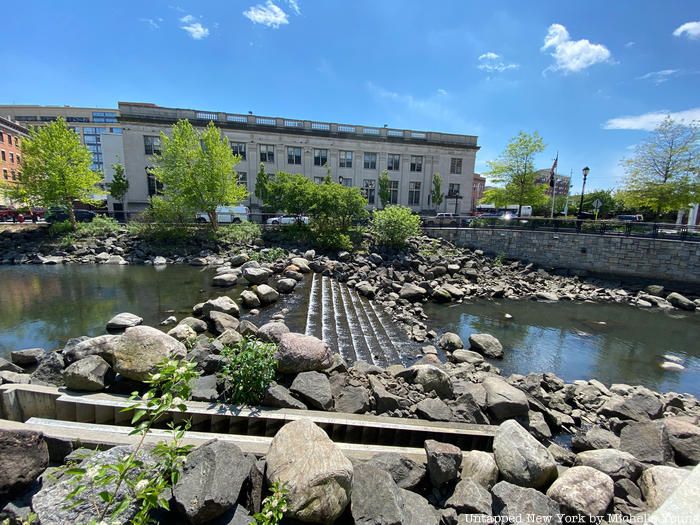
(355, 154)
(11, 136)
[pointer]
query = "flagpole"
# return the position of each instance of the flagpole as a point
(553, 181)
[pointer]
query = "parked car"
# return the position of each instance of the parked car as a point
(503, 215)
(61, 215)
(227, 215)
(630, 218)
(288, 219)
(442, 219)
(7, 213)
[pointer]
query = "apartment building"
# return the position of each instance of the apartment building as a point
(11, 136)
(355, 154)
(478, 185)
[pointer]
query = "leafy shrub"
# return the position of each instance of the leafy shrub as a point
(60, 229)
(273, 507)
(247, 369)
(332, 240)
(270, 255)
(99, 226)
(241, 233)
(393, 226)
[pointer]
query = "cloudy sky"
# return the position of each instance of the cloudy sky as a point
(592, 77)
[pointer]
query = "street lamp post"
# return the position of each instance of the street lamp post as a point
(586, 171)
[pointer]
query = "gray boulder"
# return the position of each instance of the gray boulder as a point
(13, 378)
(680, 301)
(182, 332)
(211, 481)
(595, 438)
(141, 349)
(50, 370)
(444, 462)
(352, 400)
(238, 259)
(204, 388)
(27, 357)
(615, 463)
(684, 438)
(122, 321)
(197, 325)
(302, 353)
(515, 502)
(221, 304)
(450, 342)
(504, 401)
(469, 497)
(8, 366)
(366, 289)
(583, 491)
(272, 332)
(405, 472)
(279, 397)
(249, 299)
(522, 459)
(286, 286)
(486, 344)
(431, 378)
(226, 279)
(646, 441)
(640, 405)
(659, 482)
(266, 294)
(417, 510)
(24, 455)
(256, 275)
(480, 467)
(302, 264)
(314, 389)
(433, 410)
(102, 345)
(220, 322)
(90, 374)
(412, 293)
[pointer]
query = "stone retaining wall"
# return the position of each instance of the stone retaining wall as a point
(653, 259)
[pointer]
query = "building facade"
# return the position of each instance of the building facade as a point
(478, 187)
(11, 136)
(562, 183)
(355, 155)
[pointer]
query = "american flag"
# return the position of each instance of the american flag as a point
(552, 171)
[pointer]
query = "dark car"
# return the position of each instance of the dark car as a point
(7, 213)
(61, 215)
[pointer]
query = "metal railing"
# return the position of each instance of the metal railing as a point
(647, 230)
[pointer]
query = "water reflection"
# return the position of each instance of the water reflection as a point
(613, 343)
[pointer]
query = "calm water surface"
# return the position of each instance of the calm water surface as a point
(612, 343)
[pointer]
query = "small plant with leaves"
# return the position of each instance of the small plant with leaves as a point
(273, 507)
(393, 225)
(270, 255)
(131, 482)
(247, 369)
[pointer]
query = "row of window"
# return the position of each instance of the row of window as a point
(294, 155)
(4, 134)
(14, 176)
(3, 157)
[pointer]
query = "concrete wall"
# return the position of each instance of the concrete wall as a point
(621, 256)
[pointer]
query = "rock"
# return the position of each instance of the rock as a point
(310, 255)
(302, 264)
(221, 322)
(486, 344)
(417, 510)
(249, 299)
(50, 370)
(279, 397)
(197, 325)
(684, 438)
(221, 304)
(6, 365)
(595, 438)
(615, 463)
(248, 329)
(168, 321)
(431, 378)
(480, 467)
(266, 294)
(680, 301)
(366, 289)
(654, 289)
(90, 374)
(504, 401)
(141, 349)
(412, 292)
(517, 502)
(561, 455)
(272, 332)
(639, 406)
(211, 481)
(646, 441)
(466, 356)
(314, 389)
(286, 286)
(122, 321)
(204, 388)
(547, 296)
(256, 275)
(159, 261)
(384, 400)
(352, 400)
(440, 295)
(13, 378)
(405, 472)
(444, 462)
(24, 455)
(376, 499)
(226, 280)
(538, 427)
(238, 259)
(659, 482)
(433, 410)
(27, 357)
(50, 502)
(582, 490)
(522, 459)
(102, 345)
(302, 353)
(182, 332)
(469, 497)
(450, 342)
(317, 474)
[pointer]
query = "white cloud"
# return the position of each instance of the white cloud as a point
(491, 64)
(572, 55)
(441, 91)
(689, 29)
(659, 77)
(294, 6)
(270, 15)
(630, 44)
(650, 121)
(153, 23)
(195, 29)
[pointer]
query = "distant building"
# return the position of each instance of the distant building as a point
(562, 182)
(478, 187)
(11, 136)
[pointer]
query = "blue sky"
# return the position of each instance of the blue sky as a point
(590, 76)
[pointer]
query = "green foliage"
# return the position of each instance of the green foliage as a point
(270, 255)
(99, 227)
(247, 369)
(262, 182)
(197, 170)
(129, 481)
(56, 169)
(273, 506)
(290, 193)
(514, 170)
(436, 194)
(60, 229)
(333, 240)
(664, 173)
(240, 233)
(613, 203)
(393, 226)
(119, 185)
(383, 188)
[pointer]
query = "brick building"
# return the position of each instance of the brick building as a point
(11, 136)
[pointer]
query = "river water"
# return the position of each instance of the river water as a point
(44, 306)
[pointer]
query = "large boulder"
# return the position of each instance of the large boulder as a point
(647, 441)
(405, 472)
(515, 502)
(182, 332)
(122, 321)
(272, 332)
(220, 322)
(24, 455)
(279, 397)
(90, 374)
(211, 481)
(433, 409)
(197, 325)
(302, 353)
(594, 438)
(449, 341)
(352, 399)
(480, 466)
(266, 294)
(366, 289)
(684, 438)
(221, 304)
(486, 344)
(615, 463)
(680, 301)
(141, 349)
(249, 299)
(444, 462)
(504, 401)
(226, 279)
(522, 459)
(659, 482)
(641, 405)
(314, 389)
(286, 286)
(431, 378)
(50, 370)
(470, 497)
(302, 264)
(256, 275)
(102, 345)
(27, 356)
(412, 292)
(583, 491)
(316, 473)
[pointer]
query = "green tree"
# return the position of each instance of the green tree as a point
(436, 194)
(329, 176)
(56, 170)
(393, 226)
(262, 183)
(612, 203)
(515, 171)
(291, 193)
(119, 185)
(664, 172)
(384, 193)
(197, 170)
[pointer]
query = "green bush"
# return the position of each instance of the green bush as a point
(60, 229)
(393, 226)
(241, 233)
(270, 255)
(247, 369)
(332, 240)
(98, 227)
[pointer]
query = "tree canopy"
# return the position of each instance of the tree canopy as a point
(664, 172)
(383, 188)
(119, 185)
(197, 170)
(436, 194)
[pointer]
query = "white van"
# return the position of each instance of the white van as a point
(227, 215)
